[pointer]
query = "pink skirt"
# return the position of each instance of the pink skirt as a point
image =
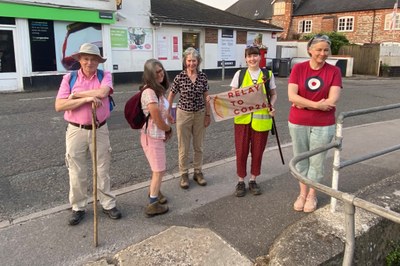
(154, 149)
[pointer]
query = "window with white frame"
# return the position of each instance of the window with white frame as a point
(279, 8)
(392, 22)
(346, 24)
(305, 26)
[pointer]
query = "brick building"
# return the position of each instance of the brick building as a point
(361, 21)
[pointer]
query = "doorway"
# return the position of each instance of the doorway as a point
(191, 39)
(8, 69)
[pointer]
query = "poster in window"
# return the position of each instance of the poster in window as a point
(69, 36)
(162, 45)
(226, 47)
(140, 39)
(119, 38)
(41, 34)
(175, 48)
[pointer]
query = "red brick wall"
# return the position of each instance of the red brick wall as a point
(211, 35)
(368, 26)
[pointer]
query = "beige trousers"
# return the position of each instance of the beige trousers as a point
(188, 125)
(78, 151)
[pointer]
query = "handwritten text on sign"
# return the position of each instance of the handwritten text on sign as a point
(241, 101)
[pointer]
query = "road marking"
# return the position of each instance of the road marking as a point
(34, 99)
(52, 97)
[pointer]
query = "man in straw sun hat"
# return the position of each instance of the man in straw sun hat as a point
(92, 86)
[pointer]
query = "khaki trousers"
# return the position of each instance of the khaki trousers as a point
(188, 125)
(78, 151)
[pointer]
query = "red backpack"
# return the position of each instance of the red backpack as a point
(134, 113)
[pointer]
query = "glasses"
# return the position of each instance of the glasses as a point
(160, 71)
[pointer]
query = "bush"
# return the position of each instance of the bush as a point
(337, 39)
(393, 258)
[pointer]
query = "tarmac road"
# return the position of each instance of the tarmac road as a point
(33, 176)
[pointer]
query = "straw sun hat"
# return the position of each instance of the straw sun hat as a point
(88, 48)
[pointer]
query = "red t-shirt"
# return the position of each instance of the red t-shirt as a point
(314, 85)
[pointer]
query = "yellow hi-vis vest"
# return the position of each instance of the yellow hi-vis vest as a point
(260, 120)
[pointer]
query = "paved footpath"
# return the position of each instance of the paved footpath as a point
(205, 225)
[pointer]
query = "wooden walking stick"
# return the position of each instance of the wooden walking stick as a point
(94, 160)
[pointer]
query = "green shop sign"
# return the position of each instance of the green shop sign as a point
(53, 13)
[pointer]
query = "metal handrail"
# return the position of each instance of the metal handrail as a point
(350, 201)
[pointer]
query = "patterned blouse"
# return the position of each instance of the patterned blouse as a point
(191, 94)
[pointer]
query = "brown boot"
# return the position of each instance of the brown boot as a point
(155, 209)
(199, 178)
(184, 183)
(161, 198)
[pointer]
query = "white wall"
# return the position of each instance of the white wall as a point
(133, 14)
(301, 47)
(390, 54)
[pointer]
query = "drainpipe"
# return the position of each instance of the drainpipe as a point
(373, 27)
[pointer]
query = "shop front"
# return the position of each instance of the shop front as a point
(36, 42)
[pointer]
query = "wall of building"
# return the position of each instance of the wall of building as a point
(126, 37)
(369, 26)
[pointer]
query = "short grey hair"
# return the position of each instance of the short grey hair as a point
(193, 52)
(317, 39)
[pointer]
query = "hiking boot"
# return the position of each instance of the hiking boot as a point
(184, 181)
(254, 188)
(199, 178)
(76, 217)
(161, 198)
(240, 189)
(113, 213)
(155, 209)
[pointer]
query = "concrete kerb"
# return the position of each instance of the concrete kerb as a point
(319, 238)
(190, 246)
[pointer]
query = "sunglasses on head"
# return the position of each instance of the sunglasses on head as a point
(317, 38)
(251, 46)
(320, 37)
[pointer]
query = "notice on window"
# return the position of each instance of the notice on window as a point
(119, 38)
(162, 45)
(226, 48)
(39, 31)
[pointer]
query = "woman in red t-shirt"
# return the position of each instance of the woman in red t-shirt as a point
(314, 89)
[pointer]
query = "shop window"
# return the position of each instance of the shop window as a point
(41, 34)
(7, 55)
(7, 21)
(190, 39)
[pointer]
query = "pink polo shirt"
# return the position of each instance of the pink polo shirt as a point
(83, 114)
